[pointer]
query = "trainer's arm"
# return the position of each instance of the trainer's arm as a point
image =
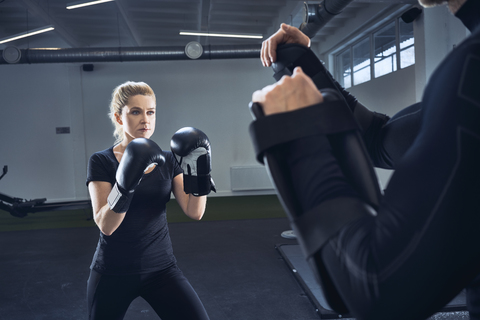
(107, 220)
(192, 206)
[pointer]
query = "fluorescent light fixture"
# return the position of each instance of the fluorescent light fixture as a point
(219, 34)
(80, 4)
(46, 48)
(27, 34)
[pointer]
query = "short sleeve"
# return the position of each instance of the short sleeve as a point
(176, 167)
(100, 168)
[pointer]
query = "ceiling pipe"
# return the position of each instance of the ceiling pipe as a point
(315, 16)
(13, 55)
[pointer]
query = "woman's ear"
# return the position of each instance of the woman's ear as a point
(118, 118)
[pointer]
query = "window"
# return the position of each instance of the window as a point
(407, 48)
(361, 61)
(345, 71)
(381, 52)
(385, 46)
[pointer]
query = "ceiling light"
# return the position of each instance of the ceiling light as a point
(27, 34)
(80, 4)
(219, 34)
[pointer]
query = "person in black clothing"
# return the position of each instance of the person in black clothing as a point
(130, 184)
(420, 246)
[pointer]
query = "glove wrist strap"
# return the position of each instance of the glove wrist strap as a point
(199, 185)
(119, 199)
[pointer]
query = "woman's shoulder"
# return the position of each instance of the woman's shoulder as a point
(168, 154)
(102, 166)
(105, 155)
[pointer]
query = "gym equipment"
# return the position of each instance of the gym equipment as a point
(20, 208)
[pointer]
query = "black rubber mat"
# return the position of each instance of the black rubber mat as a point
(293, 256)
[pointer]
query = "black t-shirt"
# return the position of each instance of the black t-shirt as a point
(141, 243)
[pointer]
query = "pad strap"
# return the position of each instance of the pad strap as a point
(280, 128)
(294, 55)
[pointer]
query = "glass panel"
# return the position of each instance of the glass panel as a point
(344, 72)
(385, 46)
(407, 44)
(361, 61)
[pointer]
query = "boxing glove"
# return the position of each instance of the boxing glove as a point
(140, 154)
(191, 149)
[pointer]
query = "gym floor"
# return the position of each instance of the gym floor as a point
(230, 258)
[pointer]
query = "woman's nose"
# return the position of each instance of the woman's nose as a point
(144, 118)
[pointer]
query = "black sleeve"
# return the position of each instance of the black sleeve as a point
(100, 169)
(176, 167)
(388, 141)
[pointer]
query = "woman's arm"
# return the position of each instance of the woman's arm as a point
(192, 206)
(107, 220)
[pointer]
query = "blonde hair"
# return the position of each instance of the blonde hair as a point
(120, 96)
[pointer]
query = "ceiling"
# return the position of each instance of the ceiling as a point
(141, 23)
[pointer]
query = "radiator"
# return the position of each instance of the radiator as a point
(250, 178)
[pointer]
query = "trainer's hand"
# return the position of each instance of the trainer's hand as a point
(288, 94)
(286, 34)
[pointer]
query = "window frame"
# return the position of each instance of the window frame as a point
(338, 70)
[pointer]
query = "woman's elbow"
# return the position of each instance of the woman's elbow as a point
(106, 231)
(104, 228)
(197, 215)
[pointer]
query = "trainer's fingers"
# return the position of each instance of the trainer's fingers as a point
(258, 96)
(308, 92)
(297, 70)
(263, 53)
(272, 44)
(272, 52)
(299, 75)
(266, 52)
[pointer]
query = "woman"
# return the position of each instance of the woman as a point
(134, 256)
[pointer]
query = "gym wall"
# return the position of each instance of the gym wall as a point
(210, 95)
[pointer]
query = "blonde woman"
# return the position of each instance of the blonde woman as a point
(129, 185)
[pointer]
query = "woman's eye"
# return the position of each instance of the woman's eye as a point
(135, 112)
(151, 113)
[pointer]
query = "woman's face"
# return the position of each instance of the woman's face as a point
(138, 117)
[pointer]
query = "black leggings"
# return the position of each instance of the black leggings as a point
(423, 247)
(167, 291)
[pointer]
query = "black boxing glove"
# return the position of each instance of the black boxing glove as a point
(140, 154)
(192, 151)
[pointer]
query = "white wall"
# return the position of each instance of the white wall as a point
(212, 95)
